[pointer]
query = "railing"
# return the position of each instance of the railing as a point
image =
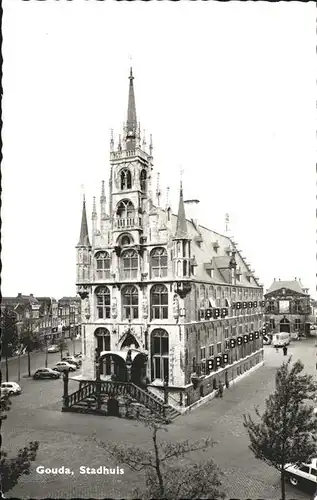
(129, 222)
(114, 388)
(82, 393)
(110, 388)
(128, 153)
(147, 399)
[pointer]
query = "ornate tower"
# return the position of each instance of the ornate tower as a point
(83, 251)
(181, 242)
(130, 179)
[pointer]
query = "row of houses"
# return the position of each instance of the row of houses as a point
(50, 318)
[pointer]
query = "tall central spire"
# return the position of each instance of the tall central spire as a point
(132, 126)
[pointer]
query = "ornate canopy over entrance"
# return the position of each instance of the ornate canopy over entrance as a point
(126, 365)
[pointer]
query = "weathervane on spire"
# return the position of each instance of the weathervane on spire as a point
(158, 191)
(82, 192)
(227, 220)
(181, 176)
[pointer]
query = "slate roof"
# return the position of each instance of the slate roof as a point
(206, 255)
(294, 285)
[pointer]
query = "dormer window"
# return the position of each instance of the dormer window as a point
(215, 246)
(143, 179)
(125, 179)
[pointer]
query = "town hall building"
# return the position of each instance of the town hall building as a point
(167, 304)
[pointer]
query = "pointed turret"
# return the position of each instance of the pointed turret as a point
(84, 237)
(181, 226)
(132, 125)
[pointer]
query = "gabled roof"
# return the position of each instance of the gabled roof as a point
(293, 285)
(205, 252)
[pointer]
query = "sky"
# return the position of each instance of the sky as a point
(227, 91)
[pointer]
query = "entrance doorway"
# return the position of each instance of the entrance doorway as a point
(285, 325)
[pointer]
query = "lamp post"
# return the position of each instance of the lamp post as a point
(46, 351)
(98, 381)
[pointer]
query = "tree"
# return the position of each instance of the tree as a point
(30, 338)
(11, 469)
(62, 345)
(164, 478)
(287, 431)
(9, 335)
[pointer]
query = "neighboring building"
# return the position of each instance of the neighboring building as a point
(48, 317)
(287, 307)
(26, 307)
(162, 296)
(69, 315)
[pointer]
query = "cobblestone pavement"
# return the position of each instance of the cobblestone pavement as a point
(65, 439)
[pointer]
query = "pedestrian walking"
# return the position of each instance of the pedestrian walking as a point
(220, 389)
(285, 350)
(276, 348)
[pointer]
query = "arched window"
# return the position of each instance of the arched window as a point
(130, 263)
(130, 302)
(125, 240)
(103, 339)
(125, 179)
(160, 354)
(143, 180)
(102, 265)
(159, 302)
(125, 214)
(103, 302)
(158, 263)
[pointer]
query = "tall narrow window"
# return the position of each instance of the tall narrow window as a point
(143, 180)
(159, 302)
(103, 302)
(125, 179)
(102, 266)
(158, 263)
(160, 352)
(130, 302)
(130, 263)
(103, 339)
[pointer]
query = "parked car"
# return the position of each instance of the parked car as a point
(63, 366)
(72, 360)
(53, 348)
(281, 339)
(304, 474)
(46, 373)
(78, 355)
(11, 388)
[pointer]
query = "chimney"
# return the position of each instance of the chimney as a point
(19, 295)
(192, 211)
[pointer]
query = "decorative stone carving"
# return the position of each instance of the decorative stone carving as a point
(86, 308)
(83, 292)
(145, 308)
(114, 307)
(183, 288)
(175, 306)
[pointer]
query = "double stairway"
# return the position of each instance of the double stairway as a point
(118, 398)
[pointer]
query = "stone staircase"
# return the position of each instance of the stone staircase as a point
(123, 399)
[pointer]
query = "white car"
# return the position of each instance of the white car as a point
(301, 474)
(53, 348)
(63, 366)
(10, 388)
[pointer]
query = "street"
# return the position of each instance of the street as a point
(37, 361)
(65, 438)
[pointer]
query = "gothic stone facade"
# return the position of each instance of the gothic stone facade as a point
(162, 285)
